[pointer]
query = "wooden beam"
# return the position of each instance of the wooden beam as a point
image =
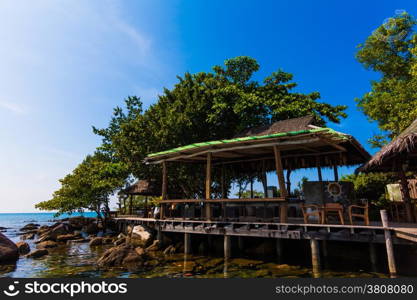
(280, 172)
(164, 180)
(334, 145)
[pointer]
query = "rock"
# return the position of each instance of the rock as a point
(29, 226)
(107, 241)
(123, 255)
(23, 248)
(67, 237)
(42, 229)
(169, 250)
(140, 236)
(3, 228)
(54, 232)
(38, 253)
(120, 241)
(78, 241)
(91, 228)
(154, 247)
(27, 236)
(8, 250)
(97, 241)
(121, 235)
(139, 251)
(77, 222)
(47, 244)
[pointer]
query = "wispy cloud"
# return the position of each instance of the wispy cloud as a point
(12, 107)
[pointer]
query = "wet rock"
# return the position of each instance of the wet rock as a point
(3, 228)
(169, 250)
(67, 237)
(154, 247)
(38, 253)
(139, 251)
(30, 226)
(107, 240)
(47, 244)
(27, 236)
(123, 255)
(120, 241)
(78, 241)
(8, 250)
(23, 248)
(141, 236)
(54, 232)
(96, 241)
(78, 222)
(43, 229)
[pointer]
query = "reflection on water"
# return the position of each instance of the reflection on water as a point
(78, 260)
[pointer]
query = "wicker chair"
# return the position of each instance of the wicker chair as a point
(359, 211)
(315, 210)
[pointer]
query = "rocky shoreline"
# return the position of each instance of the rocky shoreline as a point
(130, 249)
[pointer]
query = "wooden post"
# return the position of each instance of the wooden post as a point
(227, 247)
(264, 178)
(388, 243)
(223, 188)
(315, 256)
(279, 250)
(281, 182)
(289, 181)
(131, 205)
(319, 175)
(406, 194)
(164, 181)
(336, 175)
(187, 243)
(146, 207)
(251, 188)
(208, 186)
(372, 256)
(241, 245)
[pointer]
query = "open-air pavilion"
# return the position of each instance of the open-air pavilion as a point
(146, 188)
(284, 145)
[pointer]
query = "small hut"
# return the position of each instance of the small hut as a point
(399, 156)
(284, 145)
(146, 188)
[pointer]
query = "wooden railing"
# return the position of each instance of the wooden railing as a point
(254, 209)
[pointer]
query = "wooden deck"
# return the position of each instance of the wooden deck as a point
(403, 233)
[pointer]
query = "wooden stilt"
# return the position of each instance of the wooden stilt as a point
(281, 184)
(279, 250)
(372, 256)
(208, 186)
(315, 257)
(388, 243)
(227, 247)
(187, 243)
(241, 245)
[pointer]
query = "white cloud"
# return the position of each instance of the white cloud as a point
(14, 108)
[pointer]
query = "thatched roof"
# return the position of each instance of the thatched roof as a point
(144, 188)
(403, 146)
(301, 143)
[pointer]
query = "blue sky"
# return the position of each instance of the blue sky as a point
(65, 64)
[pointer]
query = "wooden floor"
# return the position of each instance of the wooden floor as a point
(403, 233)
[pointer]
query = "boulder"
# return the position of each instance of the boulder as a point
(123, 255)
(27, 236)
(67, 237)
(77, 222)
(170, 250)
(78, 241)
(43, 229)
(120, 241)
(139, 251)
(8, 250)
(37, 253)
(154, 247)
(23, 248)
(141, 236)
(30, 226)
(96, 241)
(47, 244)
(54, 232)
(107, 241)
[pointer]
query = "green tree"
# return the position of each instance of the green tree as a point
(391, 51)
(201, 107)
(88, 187)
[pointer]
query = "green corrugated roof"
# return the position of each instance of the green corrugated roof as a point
(242, 139)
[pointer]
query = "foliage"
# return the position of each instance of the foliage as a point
(201, 107)
(371, 186)
(88, 187)
(247, 194)
(391, 51)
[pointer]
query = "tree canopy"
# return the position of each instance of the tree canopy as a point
(391, 51)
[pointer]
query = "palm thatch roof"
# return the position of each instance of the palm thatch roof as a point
(301, 143)
(402, 148)
(143, 188)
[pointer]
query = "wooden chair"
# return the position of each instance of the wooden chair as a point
(333, 209)
(359, 211)
(315, 210)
